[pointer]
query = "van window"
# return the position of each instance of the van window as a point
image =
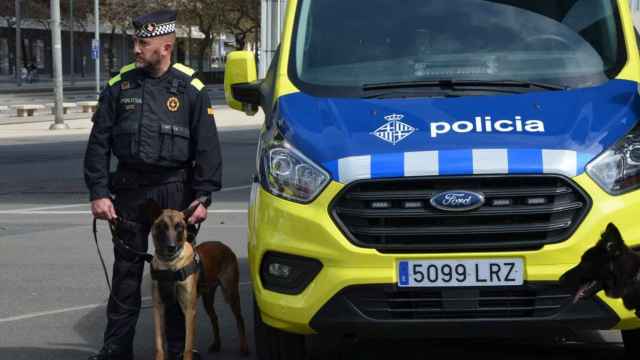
(339, 46)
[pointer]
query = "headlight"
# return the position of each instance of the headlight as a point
(287, 173)
(617, 170)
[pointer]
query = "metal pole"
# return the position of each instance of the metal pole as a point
(18, 45)
(72, 59)
(56, 37)
(97, 44)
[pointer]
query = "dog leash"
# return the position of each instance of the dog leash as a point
(120, 243)
(146, 256)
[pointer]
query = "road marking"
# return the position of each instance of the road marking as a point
(45, 210)
(49, 207)
(75, 308)
(235, 188)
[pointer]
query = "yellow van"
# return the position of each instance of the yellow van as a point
(431, 168)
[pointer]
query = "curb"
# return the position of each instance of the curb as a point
(38, 90)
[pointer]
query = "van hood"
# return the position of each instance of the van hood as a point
(553, 132)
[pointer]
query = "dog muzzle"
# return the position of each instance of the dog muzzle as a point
(169, 256)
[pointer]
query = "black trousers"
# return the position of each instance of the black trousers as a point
(128, 269)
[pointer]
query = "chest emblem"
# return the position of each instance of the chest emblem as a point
(173, 104)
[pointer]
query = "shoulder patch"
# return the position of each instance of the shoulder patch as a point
(114, 80)
(197, 84)
(184, 69)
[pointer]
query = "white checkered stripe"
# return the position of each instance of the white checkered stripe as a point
(161, 29)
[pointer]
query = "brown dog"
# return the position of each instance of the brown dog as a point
(219, 267)
(609, 265)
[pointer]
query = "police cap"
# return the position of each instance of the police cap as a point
(158, 23)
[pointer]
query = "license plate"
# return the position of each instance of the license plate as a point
(460, 273)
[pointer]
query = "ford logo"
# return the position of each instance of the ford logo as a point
(459, 200)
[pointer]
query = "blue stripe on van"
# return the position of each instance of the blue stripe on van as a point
(387, 165)
(456, 162)
(525, 161)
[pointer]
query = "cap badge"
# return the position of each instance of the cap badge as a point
(150, 28)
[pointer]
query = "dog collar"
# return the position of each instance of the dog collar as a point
(178, 275)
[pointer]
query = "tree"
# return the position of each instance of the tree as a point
(242, 19)
(207, 15)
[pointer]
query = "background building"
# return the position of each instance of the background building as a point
(116, 49)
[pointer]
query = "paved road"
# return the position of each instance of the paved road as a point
(53, 290)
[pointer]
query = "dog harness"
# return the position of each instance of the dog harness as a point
(179, 275)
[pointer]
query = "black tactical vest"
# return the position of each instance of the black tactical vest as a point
(152, 117)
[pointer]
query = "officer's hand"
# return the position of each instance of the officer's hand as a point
(103, 209)
(199, 215)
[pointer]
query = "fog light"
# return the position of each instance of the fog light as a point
(279, 270)
(288, 274)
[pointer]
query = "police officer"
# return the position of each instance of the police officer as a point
(156, 118)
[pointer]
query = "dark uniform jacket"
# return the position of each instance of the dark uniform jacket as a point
(155, 125)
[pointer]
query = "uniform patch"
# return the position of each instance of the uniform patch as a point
(130, 107)
(173, 104)
(125, 85)
(210, 110)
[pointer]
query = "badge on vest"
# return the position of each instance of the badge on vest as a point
(173, 104)
(125, 85)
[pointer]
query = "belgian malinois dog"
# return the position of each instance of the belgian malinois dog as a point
(609, 265)
(218, 267)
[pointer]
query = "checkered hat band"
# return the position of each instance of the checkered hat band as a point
(160, 29)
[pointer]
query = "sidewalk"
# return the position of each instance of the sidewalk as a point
(8, 85)
(226, 119)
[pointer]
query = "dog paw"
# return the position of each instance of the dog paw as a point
(214, 348)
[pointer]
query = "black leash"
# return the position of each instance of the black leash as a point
(113, 226)
(118, 242)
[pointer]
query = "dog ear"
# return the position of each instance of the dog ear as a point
(614, 244)
(152, 209)
(189, 211)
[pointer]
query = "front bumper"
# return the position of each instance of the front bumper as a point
(308, 230)
(384, 311)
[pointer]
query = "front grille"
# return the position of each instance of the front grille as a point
(386, 302)
(519, 213)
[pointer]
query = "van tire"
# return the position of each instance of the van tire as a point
(631, 339)
(275, 344)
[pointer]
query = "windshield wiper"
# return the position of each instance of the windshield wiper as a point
(462, 85)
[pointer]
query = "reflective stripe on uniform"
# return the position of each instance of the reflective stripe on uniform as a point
(185, 69)
(197, 84)
(125, 69)
(114, 80)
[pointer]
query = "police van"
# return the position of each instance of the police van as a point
(431, 168)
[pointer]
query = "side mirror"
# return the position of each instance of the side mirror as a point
(241, 90)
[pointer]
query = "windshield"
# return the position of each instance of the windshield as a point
(341, 46)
